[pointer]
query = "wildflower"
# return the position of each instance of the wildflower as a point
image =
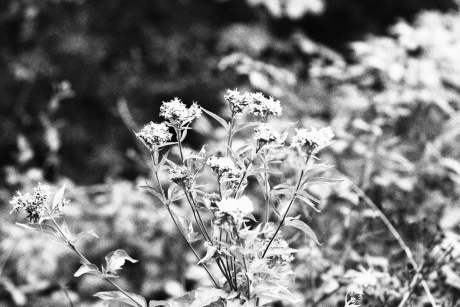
(177, 113)
(236, 207)
(221, 165)
(35, 203)
(312, 140)
(264, 134)
(262, 106)
(153, 135)
(236, 101)
(181, 175)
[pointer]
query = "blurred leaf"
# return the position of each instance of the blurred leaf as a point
(119, 297)
(298, 224)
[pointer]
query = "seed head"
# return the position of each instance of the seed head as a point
(153, 135)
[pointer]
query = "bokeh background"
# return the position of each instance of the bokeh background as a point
(77, 76)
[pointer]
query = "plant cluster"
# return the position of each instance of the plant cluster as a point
(248, 261)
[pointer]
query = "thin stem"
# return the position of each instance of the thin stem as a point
(267, 191)
(230, 135)
(291, 201)
(395, 234)
(165, 201)
(84, 260)
(179, 143)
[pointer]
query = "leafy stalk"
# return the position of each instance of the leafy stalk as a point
(85, 260)
(291, 201)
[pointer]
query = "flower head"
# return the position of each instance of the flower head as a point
(314, 139)
(236, 207)
(265, 134)
(34, 204)
(221, 165)
(262, 106)
(236, 101)
(177, 113)
(181, 175)
(153, 135)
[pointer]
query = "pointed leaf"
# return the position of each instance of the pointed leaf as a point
(219, 119)
(210, 252)
(298, 224)
(86, 269)
(58, 198)
(120, 297)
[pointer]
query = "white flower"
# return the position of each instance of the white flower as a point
(34, 204)
(313, 139)
(236, 207)
(266, 134)
(261, 106)
(236, 101)
(154, 134)
(221, 165)
(181, 175)
(177, 113)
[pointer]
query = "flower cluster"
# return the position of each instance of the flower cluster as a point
(181, 175)
(34, 204)
(265, 134)
(177, 113)
(312, 140)
(236, 101)
(221, 165)
(236, 207)
(153, 135)
(262, 106)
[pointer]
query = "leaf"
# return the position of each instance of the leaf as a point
(211, 250)
(116, 259)
(306, 199)
(58, 198)
(219, 119)
(118, 296)
(86, 269)
(298, 224)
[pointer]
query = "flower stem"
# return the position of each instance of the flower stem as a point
(291, 201)
(85, 260)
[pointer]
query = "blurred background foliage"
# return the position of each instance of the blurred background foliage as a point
(78, 75)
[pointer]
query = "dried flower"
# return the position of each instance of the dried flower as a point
(236, 101)
(34, 204)
(262, 106)
(236, 207)
(312, 140)
(177, 113)
(181, 175)
(153, 135)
